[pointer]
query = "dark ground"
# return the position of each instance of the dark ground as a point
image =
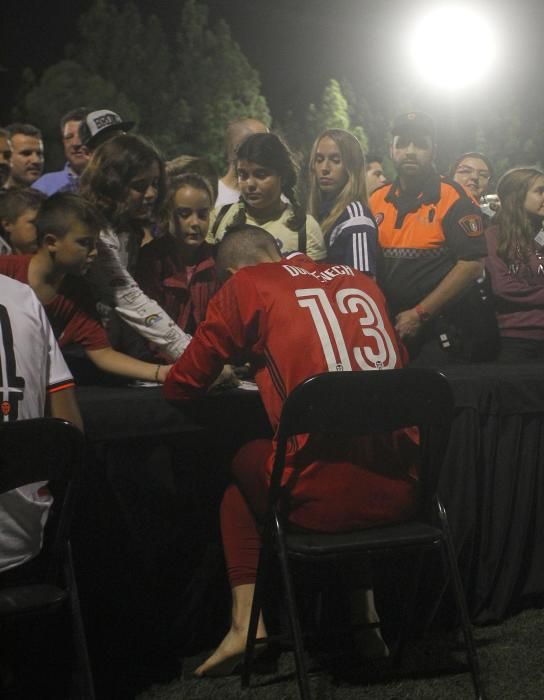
(511, 657)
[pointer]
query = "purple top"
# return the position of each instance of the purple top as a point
(519, 292)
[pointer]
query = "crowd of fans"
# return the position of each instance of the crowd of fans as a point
(130, 256)
(154, 273)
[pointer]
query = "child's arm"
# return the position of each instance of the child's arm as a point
(114, 285)
(109, 360)
(63, 404)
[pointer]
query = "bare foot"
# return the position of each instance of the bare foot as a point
(230, 652)
(231, 647)
(227, 655)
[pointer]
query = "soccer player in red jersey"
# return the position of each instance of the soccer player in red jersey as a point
(292, 318)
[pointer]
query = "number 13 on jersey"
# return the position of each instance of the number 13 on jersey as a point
(379, 350)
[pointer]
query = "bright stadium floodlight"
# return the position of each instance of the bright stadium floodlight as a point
(452, 46)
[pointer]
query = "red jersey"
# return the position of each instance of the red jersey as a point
(293, 319)
(72, 313)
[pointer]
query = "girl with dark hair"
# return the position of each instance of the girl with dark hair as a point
(515, 264)
(267, 177)
(178, 269)
(126, 182)
(338, 200)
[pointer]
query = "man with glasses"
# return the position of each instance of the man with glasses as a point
(77, 157)
(431, 233)
(474, 171)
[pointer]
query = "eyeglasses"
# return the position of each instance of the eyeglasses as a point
(469, 172)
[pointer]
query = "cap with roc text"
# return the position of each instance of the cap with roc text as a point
(96, 125)
(413, 122)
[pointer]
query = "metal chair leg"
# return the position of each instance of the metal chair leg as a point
(80, 640)
(408, 609)
(302, 676)
(462, 608)
(254, 617)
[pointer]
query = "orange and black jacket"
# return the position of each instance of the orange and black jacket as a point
(423, 236)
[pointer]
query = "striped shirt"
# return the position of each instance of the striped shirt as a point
(353, 239)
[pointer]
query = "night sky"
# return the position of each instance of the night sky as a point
(296, 45)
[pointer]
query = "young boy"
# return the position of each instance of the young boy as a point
(18, 210)
(67, 229)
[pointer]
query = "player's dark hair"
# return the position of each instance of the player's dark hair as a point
(242, 245)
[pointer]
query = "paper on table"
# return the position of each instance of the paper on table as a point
(248, 386)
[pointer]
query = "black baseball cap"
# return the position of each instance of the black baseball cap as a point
(96, 125)
(413, 123)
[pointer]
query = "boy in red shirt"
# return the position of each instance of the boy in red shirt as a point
(67, 229)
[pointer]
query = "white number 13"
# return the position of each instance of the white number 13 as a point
(331, 336)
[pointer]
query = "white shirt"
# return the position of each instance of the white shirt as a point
(31, 364)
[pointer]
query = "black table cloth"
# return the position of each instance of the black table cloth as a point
(492, 482)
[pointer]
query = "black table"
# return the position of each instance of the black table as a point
(146, 537)
(492, 485)
(157, 473)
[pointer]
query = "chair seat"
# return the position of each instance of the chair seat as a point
(395, 536)
(26, 599)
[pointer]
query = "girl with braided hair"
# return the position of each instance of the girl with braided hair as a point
(515, 265)
(338, 200)
(267, 177)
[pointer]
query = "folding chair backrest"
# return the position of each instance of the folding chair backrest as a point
(359, 403)
(44, 449)
(39, 449)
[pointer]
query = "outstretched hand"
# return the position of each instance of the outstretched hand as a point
(226, 380)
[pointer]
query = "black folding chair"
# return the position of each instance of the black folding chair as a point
(361, 403)
(46, 449)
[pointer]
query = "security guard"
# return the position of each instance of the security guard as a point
(431, 233)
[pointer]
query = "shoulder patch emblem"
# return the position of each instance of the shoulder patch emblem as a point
(472, 225)
(379, 218)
